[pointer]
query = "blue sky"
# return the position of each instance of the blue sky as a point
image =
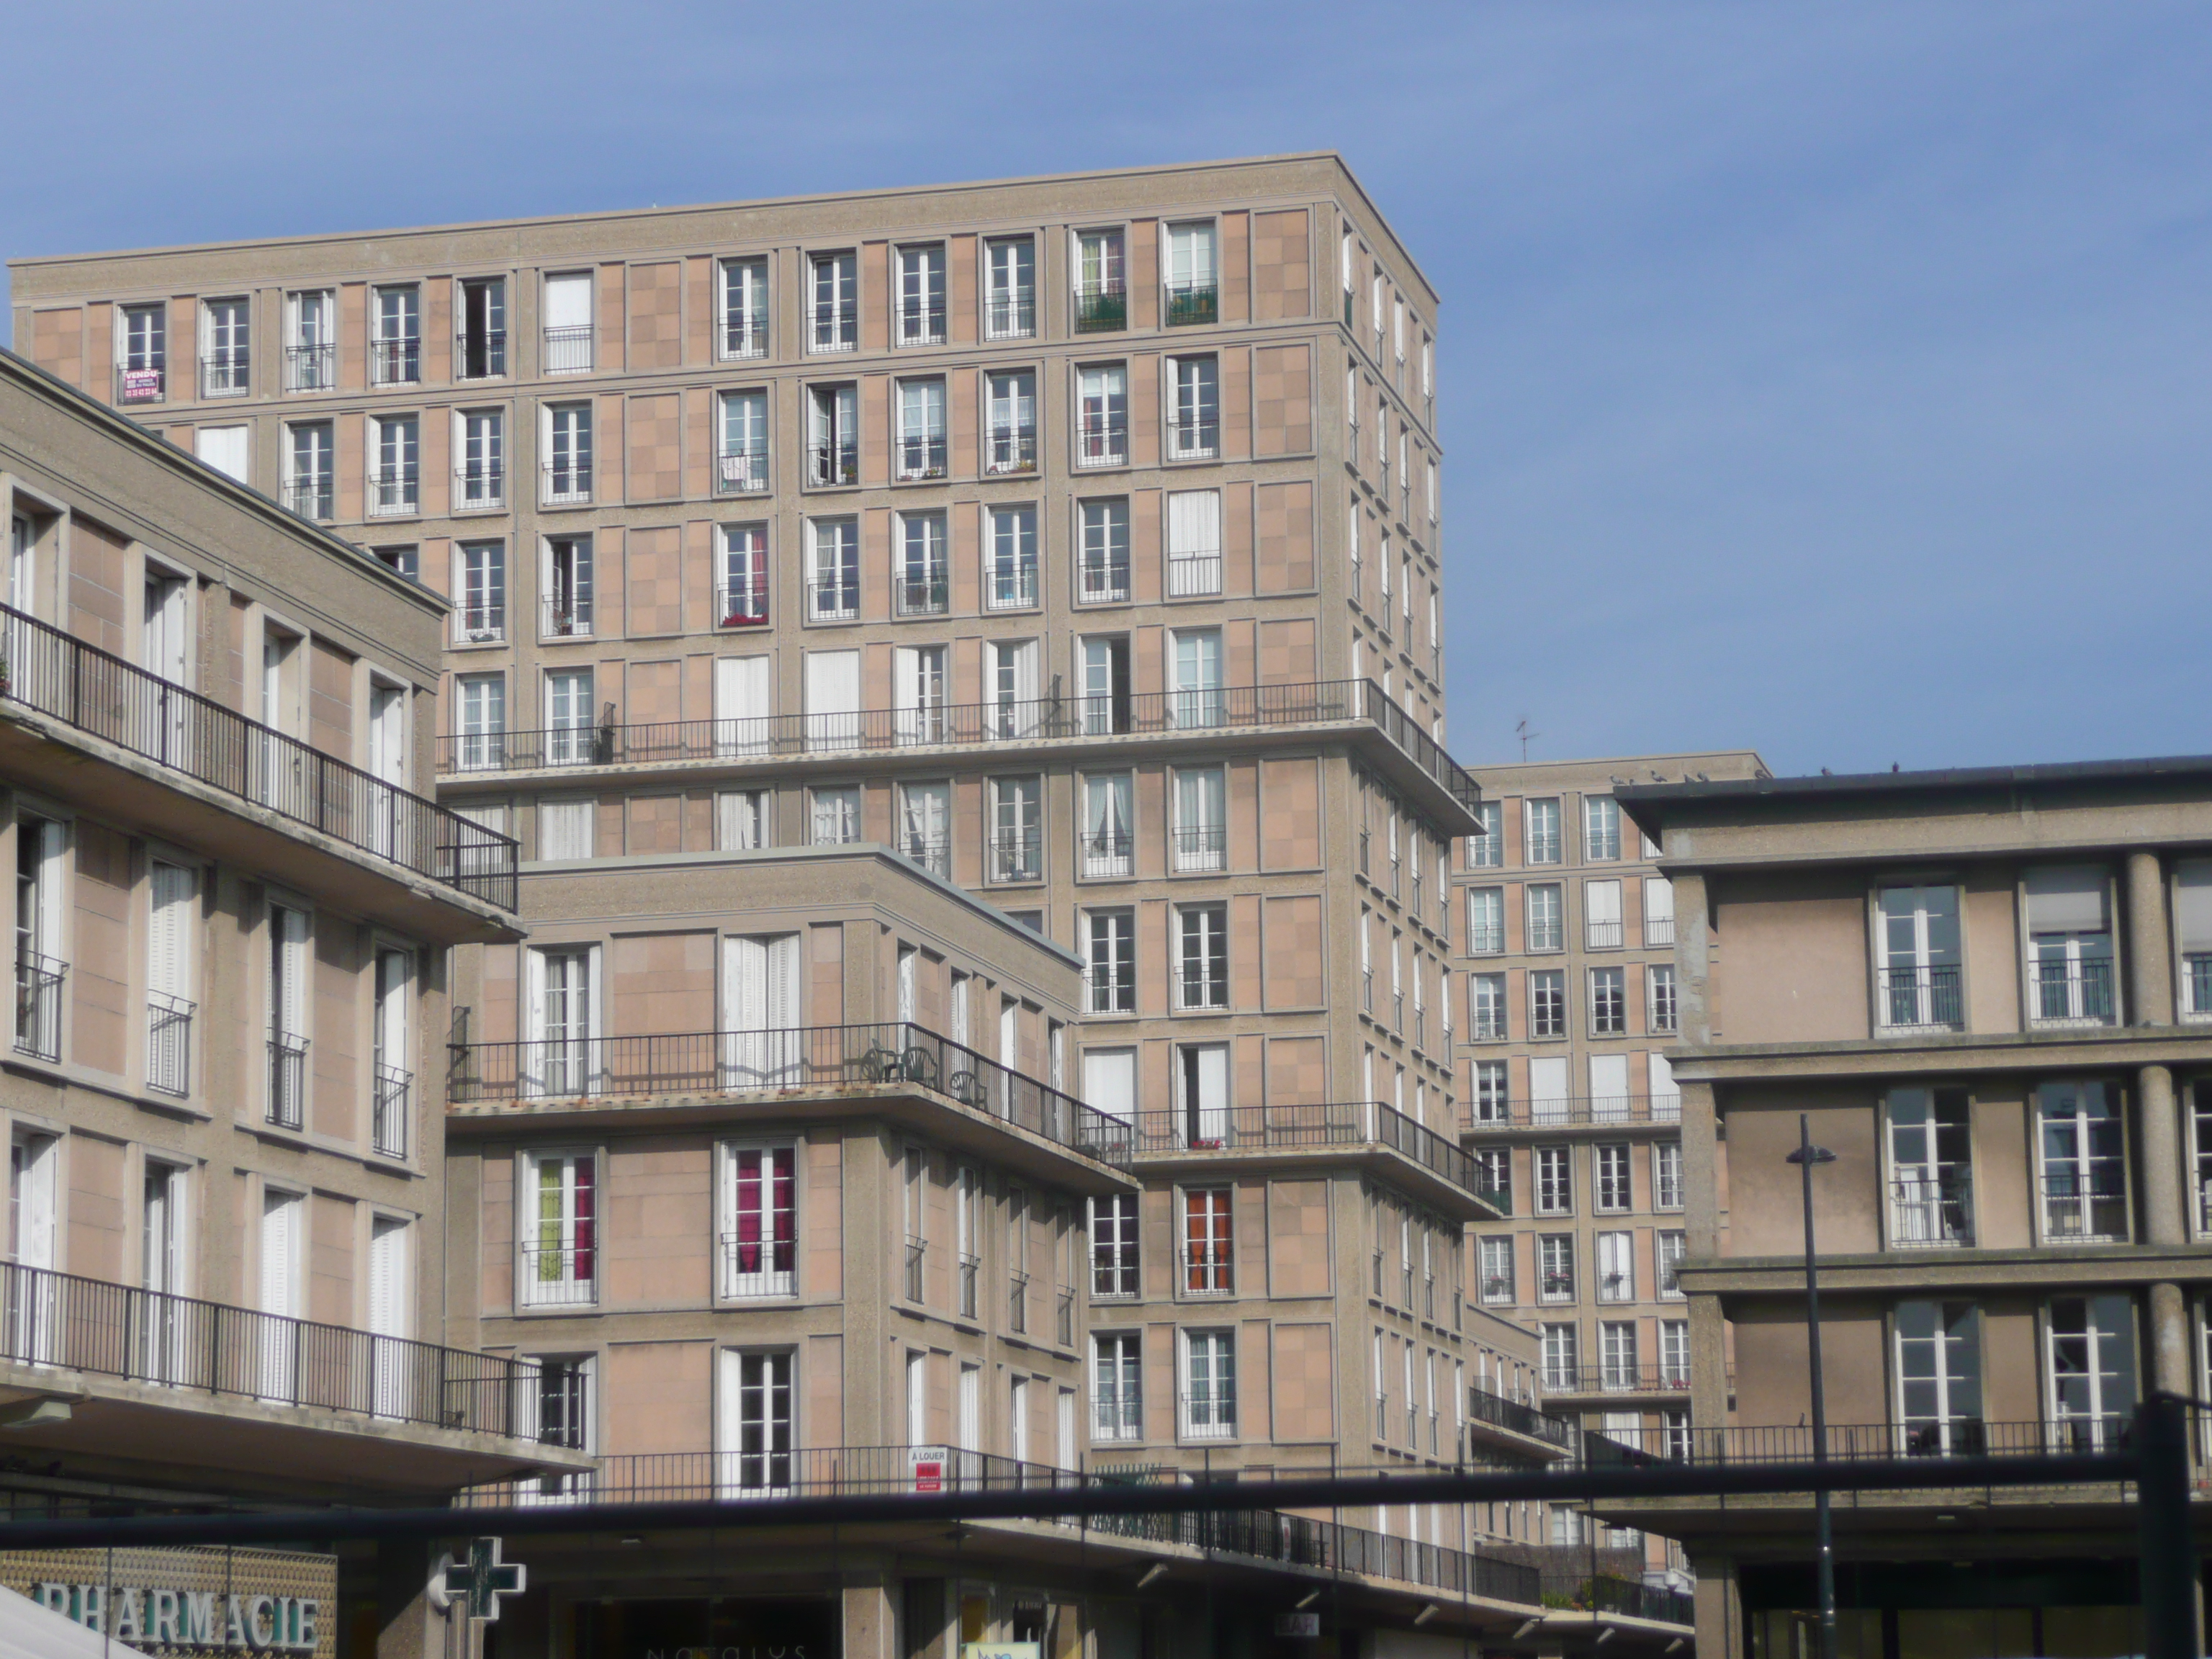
(1831, 379)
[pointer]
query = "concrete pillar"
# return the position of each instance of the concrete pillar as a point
(2158, 1131)
(870, 1619)
(1709, 1389)
(2149, 944)
(1701, 1157)
(406, 1626)
(1693, 947)
(1719, 1604)
(2170, 1367)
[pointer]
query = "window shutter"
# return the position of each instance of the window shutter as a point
(1658, 899)
(280, 1214)
(1110, 1082)
(2067, 900)
(2192, 905)
(168, 968)
(568, 301)
(1547, 1081)
(387, 1278)
(1602, 899)
(1608, 1077)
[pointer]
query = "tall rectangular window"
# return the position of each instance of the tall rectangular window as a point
(310, 469)
(567, 454)
(1663, 1014)
(1193, 409)
(2092, 1370)
(1555, 1267)
(1919, 985)
(1210, 1384)
(1608, 996)
(1102, 417)
(395, 469)
(482, 614)
(1939, 1377)
(1548, 1003)
(566, 591)
(1486, 1007)
(2069, 947)
(1555, 1192)
(744, 307)
(832, 586)
(1542, 818)
(1492, 1097)
(742, 593)
(834, 302)
(1930, 1168)
(2082, 1160)
(1560, 1357)
(288, 1016)
(1017, 830)
(1616, 1267)
(39, 970)
(1114, 1247)
(833, 435)
(1495, 1270)
(1601, 924)
(1485, 921)
(741, 462)
(1600, 829)
(924, 573)
(569, 712)
(921, 294)
(1547, 907)
(1193, 292)
(1009, 287)
(142, 354)
(1486, 851)
(1667, 1175)
(922, 428)
(760, 1221)
(1012, 569)
(1109, 968)
(1202, 955)
(924, 830)
(1610, 1189)
(1101, 298)
(756, 1424)
(1193, 543)
(169, 981)
(395, 342)
(480, 340)
(1107, 814)
(569, 323)
(226, 348)
(1200, 832)
(1117, 1401)
(480, 479)
(483, 728)
(1010, 422)
(1668, 1249)
(1103, 578)
(311, 341)
(559, 1231)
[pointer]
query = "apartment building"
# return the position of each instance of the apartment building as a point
(224, 1279)
(1566, 965)
(1987, 991)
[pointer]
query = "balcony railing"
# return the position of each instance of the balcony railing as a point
(1011, 586)
(1026, 720)
(1010, 316)
(1103, 440)
(564, 617)
(921, 323)
(98, 693)
(742, 472)
(933, 853)
(837, 600)
(1658, 930)
(312, 496)
(1483, 1407)
(796, 1061)
(1106, 854)
(1193, 302)
(1957, 1436)
(311, 368)
(1101, 307)
(169, 1042)
(38, 1005)
(1010, 449)
(568, 348)
(1335, 1123)
(1602, 935)
(226, 374)
(393, 1106)
(920, 456)
(1195, 440)
(742, 603)
(1105, 580)
(833, 464)
(2061, 993)
(1625, 1598)
(1110, 990)
(1260, 1534)
(1064, 1319)
(1931, 1214)
(917, 1257)
(395, 361)
(79, 1324)
(481, 355)
(970, 1272)
(288, 1080)
(567, 482)
(1209, 1416)
(1202, 985)
(757, 1267)
(549, 1274)
(922, 596)
(836, 326)
(1193, 575)
(1575, 1112)
(1919, 998)
(479, 486)
(1208, 1269)
(481, 623)
(2084, 1206)
(394, 491)
(1017, 855)
(1622, 1377)
(1200, 846)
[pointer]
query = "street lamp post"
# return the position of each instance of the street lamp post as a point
(1805, 1158)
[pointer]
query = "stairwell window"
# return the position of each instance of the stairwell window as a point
(743, 307)
(1917, 981)
(834, 302)
(1009, 287)
(2071, 981)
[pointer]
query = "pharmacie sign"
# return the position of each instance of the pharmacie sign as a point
(189, 1601)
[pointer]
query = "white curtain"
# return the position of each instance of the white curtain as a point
(760, 1009)
(744, 701)
(833, 699)
(1110, 1082)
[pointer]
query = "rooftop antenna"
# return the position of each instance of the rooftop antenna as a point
(1526, 736)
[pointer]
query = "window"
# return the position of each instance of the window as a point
(311, 341)
(480, 343)
(741, 594)
(1658, 911)
(1547, 906)
(395, 474)
(1209, 1372)
(482, 735)
(142, 354)
(1930, 1168)
(1486, 1007)
(742, 464)
(1555, 1267)
(1193, 543)
(744, 307)
(1102, 299)
(1496, 1270)
(1618, 1371)
(925, 820)
(310, 469)
(169, 978)
(1102, 417)
(1010, 422)
(1017, 830)
(833, 435)
(2081, 1156)
(1195, 665)
(1939, 1377)
(1561, 1359)
(1193, 295)
(1659, 983)
(1555, 1193)
(1117, 1401)
(569, 323)
(481, 615)
(559, 1242)
(480, 480)
(1012, 688)
(227, 449)
(1012, 582)
(756, 1424)
(1485, 921)
(1616, 1267)
(835, 302)
(921, 294)
(1493, 1104)
(1009, 288)
(741, 819)
(1918, 987)
(1114, 1246)
(390, 1053)
(833, 584)
(1608, 992)
(836, 816)
(1193, 409)
(760, 1221)
(1609, 1179)
(1668, 1250)
(39, 969)
(921, 429)
(1548, 1003)
(1201, 831)
(1107, 816)
(395, 335)
(1494, 1173)
(568, 735)
(567, 588)
(924, 584)
(569, 454)
(1542, 818)
(1667, 1175)
(1202, 955)
(225, 342)
(1486, 851)
(2069, 948)
(288, 933)
(1104, 576)
(2092, 1370)
(1600, 829)
(1208, 1263)
(2192, 928)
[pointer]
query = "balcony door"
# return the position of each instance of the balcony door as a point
(162, 1332)
(1920, 962)
(757, 1456)
(1939, 1377)
(561, 1056)
(283, 1226)
(390, 1369)
(390, 824)
(569, 717)
(1202, 1092)
(32, 1323)
(761, 1040)
(1930, 1168)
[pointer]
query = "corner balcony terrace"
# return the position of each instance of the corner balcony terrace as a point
(1380, 1137)
(905, 1072)
(136, 1377)
(1495, 1423)
(242, 790)
(1574, 1112)
(1405, 752)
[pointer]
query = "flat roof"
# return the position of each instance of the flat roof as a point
(1844, 785)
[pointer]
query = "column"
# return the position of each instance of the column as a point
(2170, 1367)
(1709, 1386)
(2158, 1131)
(2149, 944)
(1692, 958)
(1719, 1608)
(871, 1621)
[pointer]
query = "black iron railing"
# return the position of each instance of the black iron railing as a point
(311, 495)
(38, 1005)
(169, 1042)
(2086, 1206)
(1957, 1437)
(288, 1080)
(2071, 992)
(742, 603)
(921, 455)
(480, 485)
(1918, 997)
(568, 348)
(395, 1095)
(395, 361)
(1573, 1112)
(1334, 1123)
(1925, 1214)
(1484, 1406)
(479, 353)
(226, 373)
(63, 677)
(1193, 575)
(1623, 1597)
(79, 1324)
(311, 368)
(838, 462)
(1193, 302)
(929, 595)
(793, 1060)
(1103, 440)
(1101, 307)
(1623, 1377)
(1010, 449)
(742, 472)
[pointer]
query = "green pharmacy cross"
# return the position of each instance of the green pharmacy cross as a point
(479, 1582)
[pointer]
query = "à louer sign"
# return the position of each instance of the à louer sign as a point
(153, 1615)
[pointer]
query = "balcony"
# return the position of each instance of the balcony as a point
(1580, 1111)
(54, 688)
(742, 603)
(830, 465)
(249, 1376)
(564, 617)
(1191, 303)
(835, 600)
(1193, 575)
(1602, 935)
(922, 596)
(568, 350)
(1107, 854)
(1209, 1416)
(479, 487)
(1387, 1137)
(481, 355)
(1010, 586)
(1913, 1000)
(168, 1043)
(754, 1268)
(1101, 307)
(1105, 579)
(395, 361)
(1198, 439)
(1956, 1437)
(311, 368)
(1487, 1410)
(884, 1059)
(313, 496)
(38, 1005)
(2062, 994)
(1202, 987)
(1010, 316)
(1009, 450)
(1927, 1215)
(742, 472)
(1208, 1269)
(1200, 848)
(568, 484)
(932, 852)
(149, 385)
(836, 326)
(226, 374)
(1658, 931)
(394, 492)
(1110, 990)
(1410, 753)
(2084, 1206)
(1621, 1377)
(921, 458)
(392, 1110)
(1577, 1590)
(285, 1107)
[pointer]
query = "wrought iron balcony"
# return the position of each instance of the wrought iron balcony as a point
(169, 1042)
(1193, 575)
(742, 472)
(395, 361)
(288, 1080)
(1919, 998)
(312, 367)
(568, 348)
(832, 464)
(1623, 1377)
(1195, 439)
(226, 373)
(797, 1059)
(568, 484)
(1105, 579)
(479, 355)
(393, 1110)
(2086, 1206)
(742, 603)
(922, 596)
(921, 322)
(1499, 1413)
(758, 1266)
(1200, 846)
(1110, 989)
(836, 326)
(479, 486)
(62, 677)
(552, 1273)
(313, 496)
(1101, 307)
(933, 853)
(921, 456)
(1101, 441)
(1931, 1214)
(1009, 450)
(1576, 1112)
(38, 1005)
(1017, 855)
(1189, 303)
(564, 617)
(394, 491)
(2066, 993)
(1010, 316)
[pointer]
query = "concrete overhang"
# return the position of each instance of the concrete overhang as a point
(1944, 1052)
(1384, 1161)
(1930, 1271)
